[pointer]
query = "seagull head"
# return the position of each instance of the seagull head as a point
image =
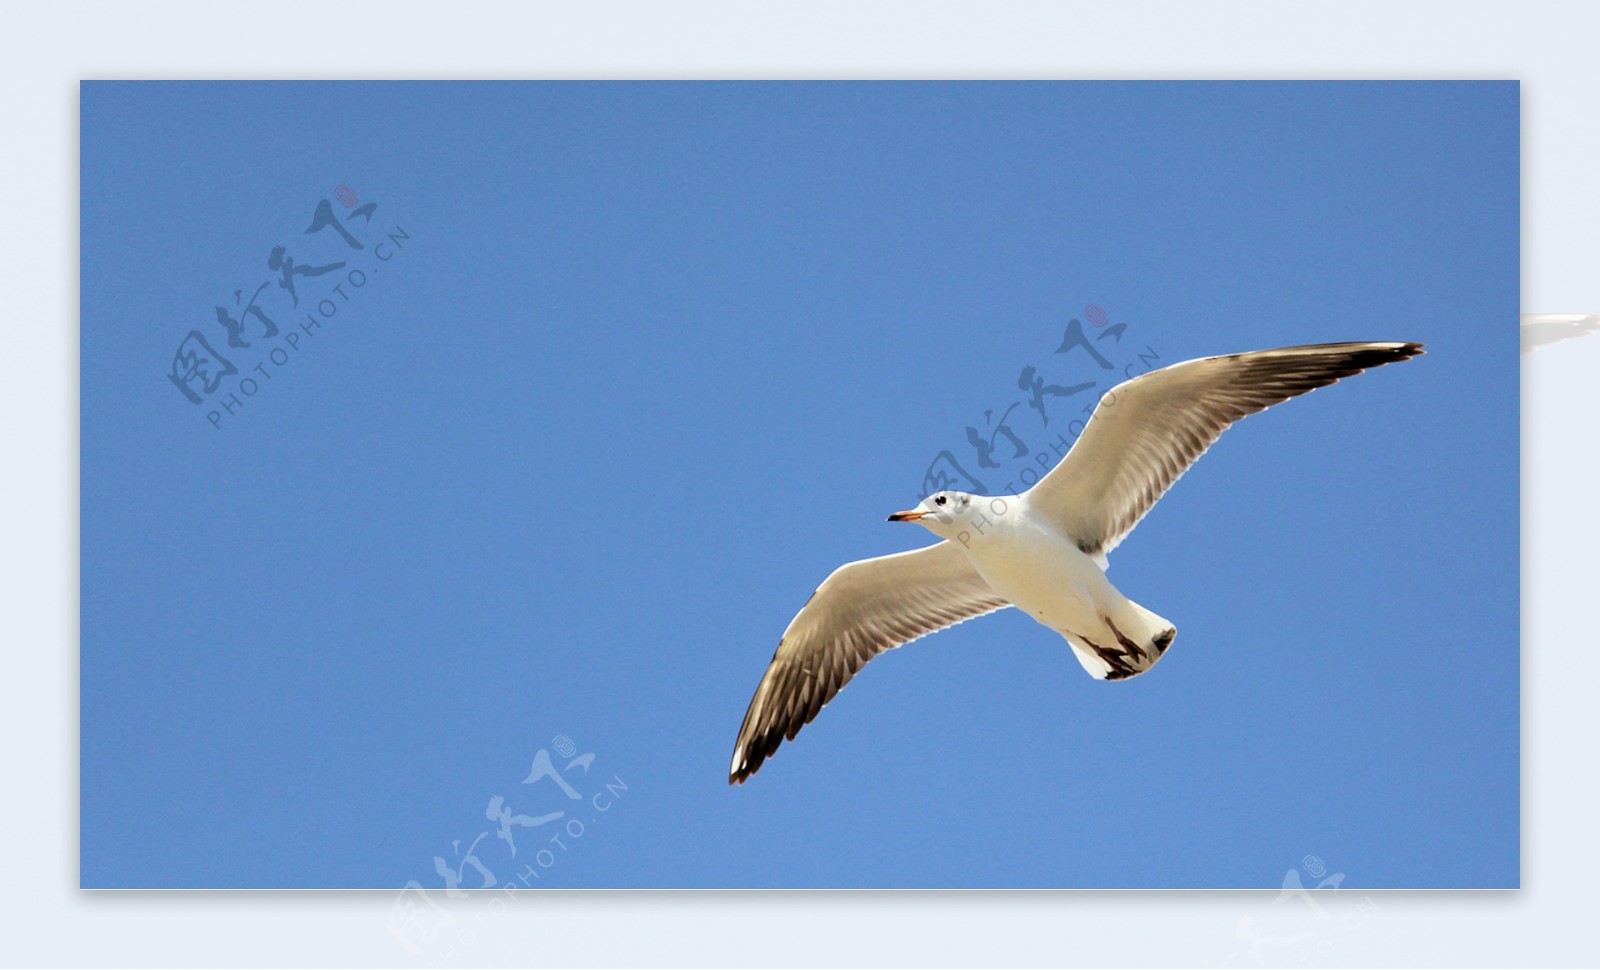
(942, 513)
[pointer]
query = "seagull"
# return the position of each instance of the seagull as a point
(1043, 551)
(1539, 329)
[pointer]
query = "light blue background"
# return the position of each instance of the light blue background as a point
(657, 358)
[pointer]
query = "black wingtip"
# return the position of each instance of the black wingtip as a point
(1405, 351)
(1361, 354)
(747, 765)
(1395, 352)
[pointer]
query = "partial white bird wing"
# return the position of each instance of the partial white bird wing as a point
(860, 611)
(1146, 432)
(1539, 329)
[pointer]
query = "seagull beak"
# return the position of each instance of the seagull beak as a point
(909, 515)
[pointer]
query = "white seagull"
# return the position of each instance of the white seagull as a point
(1043, 551)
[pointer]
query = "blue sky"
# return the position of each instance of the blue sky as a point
(630, 368)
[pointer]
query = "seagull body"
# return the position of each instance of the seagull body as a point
(1039, 569)
(1044, 551)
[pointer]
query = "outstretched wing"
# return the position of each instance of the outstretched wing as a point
(860, 611)
(1146, 432)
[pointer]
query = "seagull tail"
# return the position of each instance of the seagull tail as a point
(1126, 645)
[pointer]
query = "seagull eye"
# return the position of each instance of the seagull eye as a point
(939, 501)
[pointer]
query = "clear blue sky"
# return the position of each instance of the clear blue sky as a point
(635, 366)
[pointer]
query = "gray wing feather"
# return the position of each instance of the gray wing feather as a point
(1146, 432)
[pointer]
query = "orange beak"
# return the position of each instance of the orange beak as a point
(909, 515)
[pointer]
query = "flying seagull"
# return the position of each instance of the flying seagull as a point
(1044, 551)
